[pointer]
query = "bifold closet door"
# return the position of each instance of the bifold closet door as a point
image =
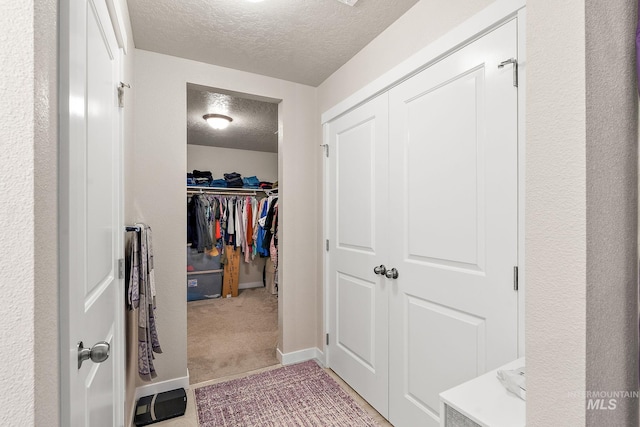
(358, 230)
(453, 225)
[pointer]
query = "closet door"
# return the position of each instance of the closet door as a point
(453, 225)
(358, 297)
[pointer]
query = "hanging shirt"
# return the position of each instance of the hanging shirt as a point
(239, 231)
(248, 240)
(231, 222)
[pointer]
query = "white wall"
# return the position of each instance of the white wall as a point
(17, 269)
(128, 117)
(28, 192)
(219, 161)
(160, 162)
(555, 211)
(45, 214)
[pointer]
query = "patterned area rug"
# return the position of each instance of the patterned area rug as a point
(295, 395)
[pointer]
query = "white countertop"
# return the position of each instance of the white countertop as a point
(486, 401)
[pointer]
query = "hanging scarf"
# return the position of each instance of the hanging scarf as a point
(142, 295)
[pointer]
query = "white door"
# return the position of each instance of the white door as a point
(358, 297)
(453, 225)
(90, 209)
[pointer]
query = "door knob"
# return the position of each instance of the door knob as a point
(98, 353)
(380, 270)
(392, 274)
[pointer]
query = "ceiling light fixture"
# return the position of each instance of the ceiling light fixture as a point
(348, 2)
(217, 121)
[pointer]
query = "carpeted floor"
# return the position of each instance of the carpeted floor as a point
(302, 394)
(228, 336)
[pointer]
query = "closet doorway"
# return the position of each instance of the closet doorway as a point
(232, 232)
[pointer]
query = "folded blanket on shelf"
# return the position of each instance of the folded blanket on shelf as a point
(234, 180)
(251, 182)
(221, 183)
(203, 174)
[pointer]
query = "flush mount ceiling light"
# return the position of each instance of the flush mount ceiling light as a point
(217, 121)
(348, 2)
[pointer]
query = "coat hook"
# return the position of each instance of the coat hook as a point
(121, 87)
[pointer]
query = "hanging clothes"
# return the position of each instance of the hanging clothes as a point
(264, 210)
(242, 222)
(269, 224)
(199, 228)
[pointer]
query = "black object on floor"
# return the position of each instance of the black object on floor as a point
(160, 407)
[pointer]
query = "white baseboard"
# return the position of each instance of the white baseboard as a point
(300, 356)
(250, 285)
(162, 386)
(320, 357)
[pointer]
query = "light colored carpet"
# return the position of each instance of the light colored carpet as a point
(295, 395)
(228, 336)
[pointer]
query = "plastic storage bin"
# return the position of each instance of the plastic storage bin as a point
(201, 261)
(204, 286)
(204, 275)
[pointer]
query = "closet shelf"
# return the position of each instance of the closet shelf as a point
(230, 191)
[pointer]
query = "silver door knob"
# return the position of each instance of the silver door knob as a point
(98, 353)
(381, 269)
(392, 274)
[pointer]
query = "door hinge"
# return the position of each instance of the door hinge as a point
(515, 69)
(121, 268)
(327, 339)
(327, 245)
(515, 278)
(326, 149)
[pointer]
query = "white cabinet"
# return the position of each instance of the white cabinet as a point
(423, 180)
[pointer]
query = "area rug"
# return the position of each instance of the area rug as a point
(295, 395)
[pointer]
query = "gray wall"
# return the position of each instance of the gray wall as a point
(612, 213)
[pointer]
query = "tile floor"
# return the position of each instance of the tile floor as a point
(190, 418)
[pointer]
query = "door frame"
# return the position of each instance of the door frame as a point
(65, 402)
(475, 27)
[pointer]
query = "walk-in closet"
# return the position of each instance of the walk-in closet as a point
(232, 232)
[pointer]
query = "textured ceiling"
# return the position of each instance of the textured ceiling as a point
(254, 126)
(302, 41)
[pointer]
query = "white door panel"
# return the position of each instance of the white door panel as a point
(358, 298)
(443, 220)
(453, 195)
(90, 214)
